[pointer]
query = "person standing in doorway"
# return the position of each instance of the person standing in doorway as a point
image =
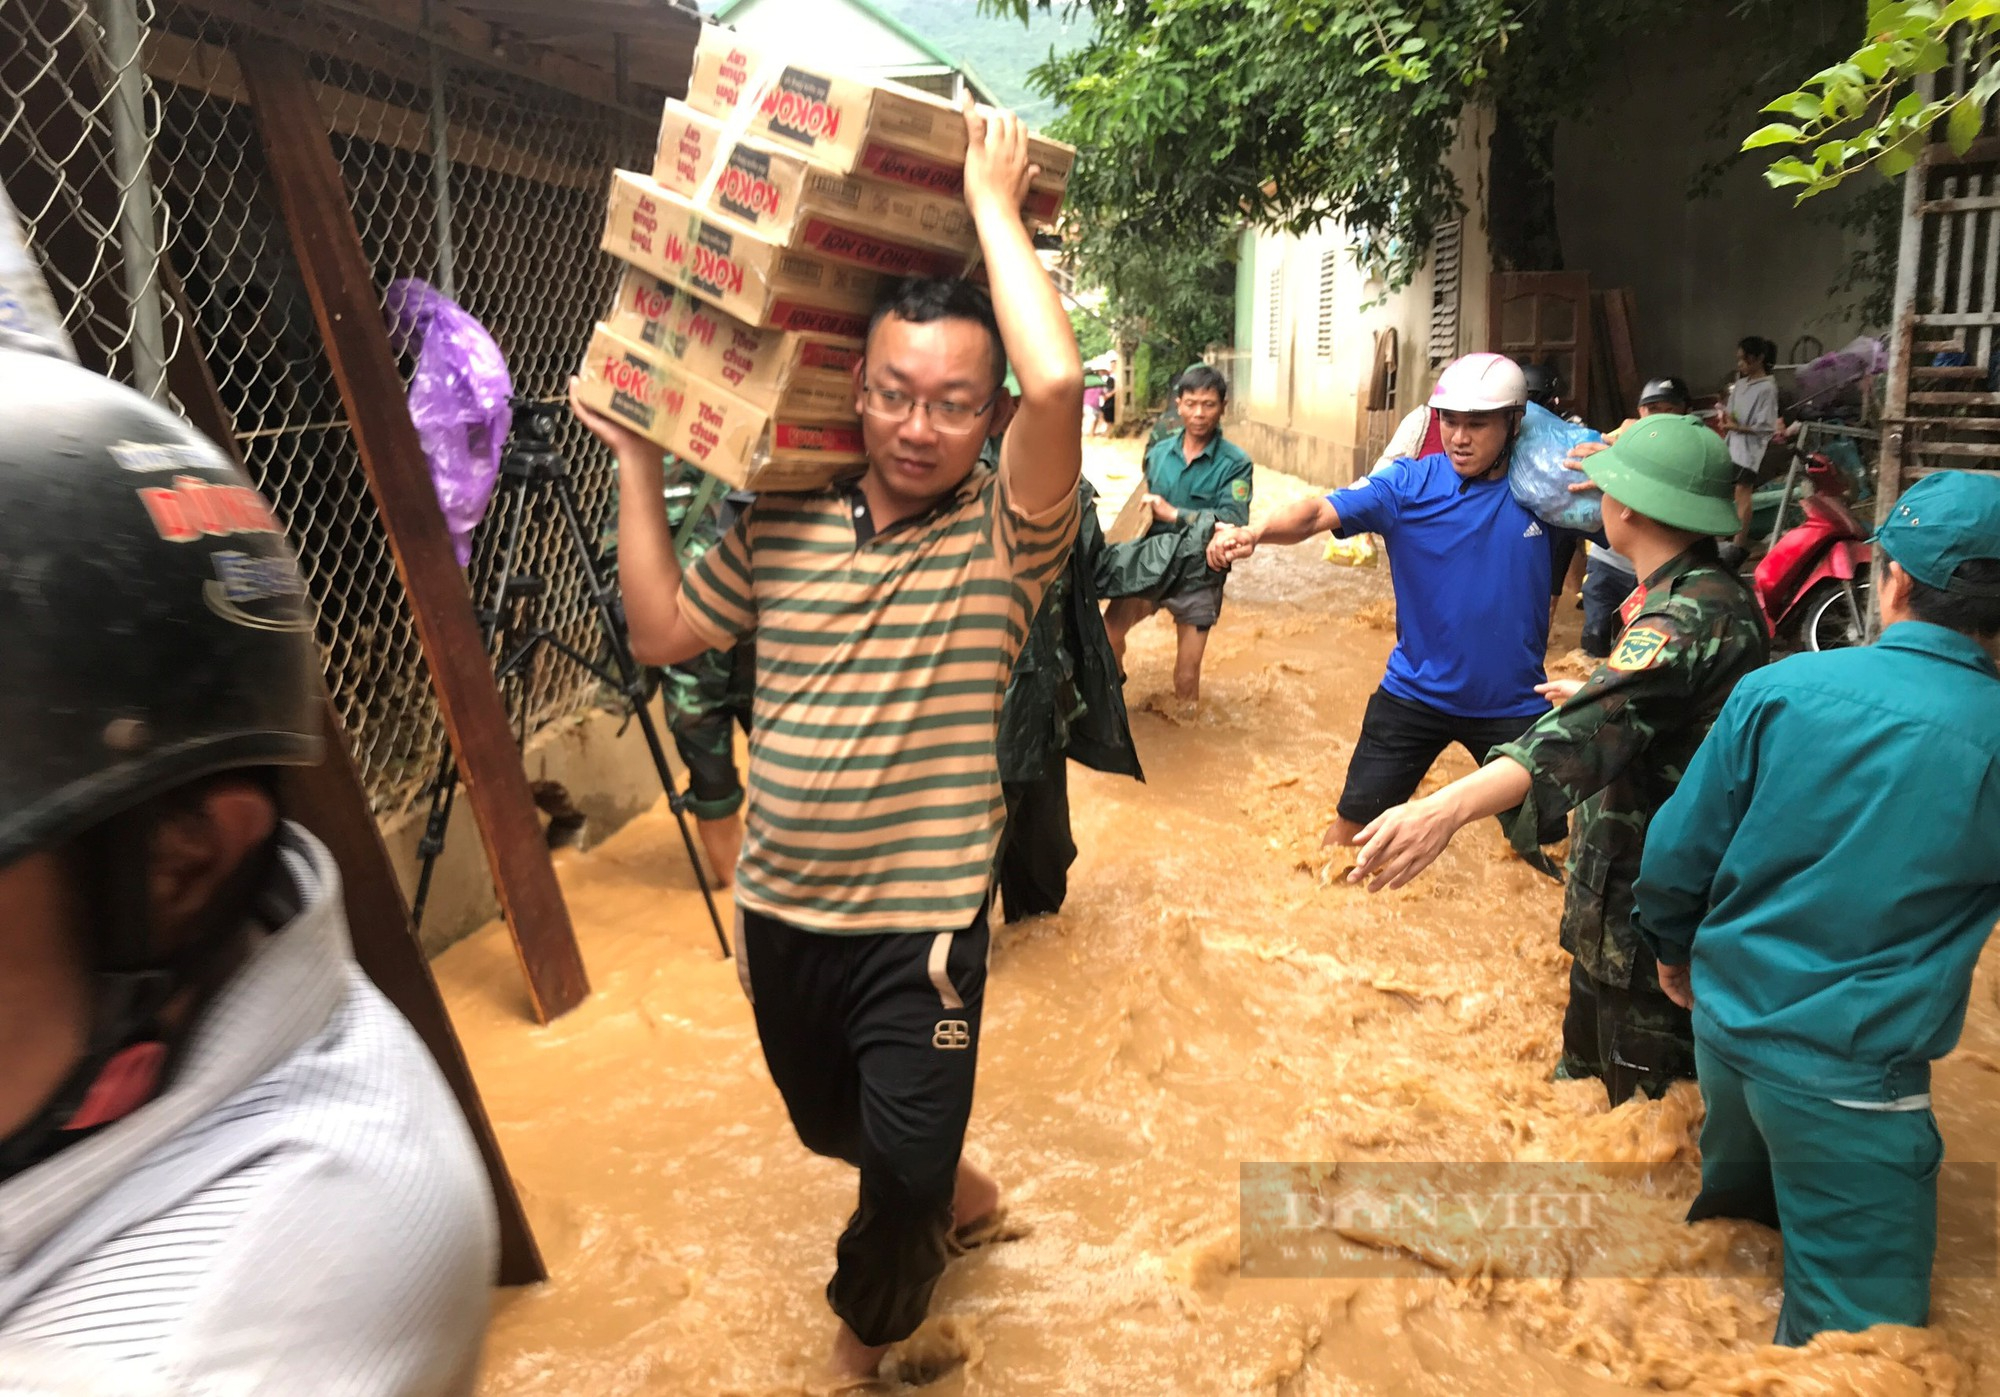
(1818, 891)
(1749, 420)
(1196, 481)
(888, 610)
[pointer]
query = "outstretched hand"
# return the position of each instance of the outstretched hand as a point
(1399, 844)
(996, 158)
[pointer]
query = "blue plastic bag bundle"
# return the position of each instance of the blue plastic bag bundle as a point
(1540, 476)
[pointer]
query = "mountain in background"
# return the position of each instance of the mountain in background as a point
(1001, 51)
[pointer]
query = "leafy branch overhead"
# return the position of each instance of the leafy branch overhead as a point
(1284, 113)
(1862, 111)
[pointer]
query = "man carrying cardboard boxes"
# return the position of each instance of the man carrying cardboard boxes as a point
(888, 610)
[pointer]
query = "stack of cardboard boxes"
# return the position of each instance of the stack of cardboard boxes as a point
(782, 200)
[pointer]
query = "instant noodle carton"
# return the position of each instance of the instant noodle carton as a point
(879, 130)
(731, 268)
(788, 199)
(783, 372)
(708, 426)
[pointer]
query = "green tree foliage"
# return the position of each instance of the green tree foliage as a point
(1862, 111)
(1093, 332)
(1195, 117)
(1284, 112)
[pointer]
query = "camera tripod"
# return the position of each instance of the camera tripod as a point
(529, 465)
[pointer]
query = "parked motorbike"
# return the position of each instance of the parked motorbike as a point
(1813, 584)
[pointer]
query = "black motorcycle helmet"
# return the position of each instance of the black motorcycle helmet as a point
(1671, 391)
(1543, 383)
(155, 632)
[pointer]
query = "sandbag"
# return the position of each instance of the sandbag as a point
(1539, 473)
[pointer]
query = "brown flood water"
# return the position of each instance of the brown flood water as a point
(1210, 995)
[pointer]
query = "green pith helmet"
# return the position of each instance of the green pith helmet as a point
(1674, 471)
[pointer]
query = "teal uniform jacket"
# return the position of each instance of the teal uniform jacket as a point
(1213, 487)
(1830, 864)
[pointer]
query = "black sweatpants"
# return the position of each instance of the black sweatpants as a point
(873, 1041)
(1036, 849)
(1399, 740)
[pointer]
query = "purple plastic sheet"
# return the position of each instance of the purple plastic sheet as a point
(458, 400)
(1833, 379)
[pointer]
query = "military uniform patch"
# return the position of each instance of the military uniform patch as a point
(1240, 489)
(1637, 649)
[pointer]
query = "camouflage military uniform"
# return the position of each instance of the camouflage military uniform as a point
(1613, 754)
(709, 696)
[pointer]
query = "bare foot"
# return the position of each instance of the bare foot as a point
(974, 1197)
(852, 1363)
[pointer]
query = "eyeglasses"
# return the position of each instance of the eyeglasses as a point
(950, 419)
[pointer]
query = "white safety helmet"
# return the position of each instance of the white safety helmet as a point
(1480, 383)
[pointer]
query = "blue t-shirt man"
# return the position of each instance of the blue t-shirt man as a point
(1471, 569)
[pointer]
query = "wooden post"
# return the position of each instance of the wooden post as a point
(313, 197)
(329, 801)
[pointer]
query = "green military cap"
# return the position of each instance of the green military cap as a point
(1672, 470)
(1943, 520)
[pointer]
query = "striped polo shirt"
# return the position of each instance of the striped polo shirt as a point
(874, 794)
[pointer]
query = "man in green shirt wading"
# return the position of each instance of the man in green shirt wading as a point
(1195, 480)
(1818, 891)
(888, 611)
(1614, 749)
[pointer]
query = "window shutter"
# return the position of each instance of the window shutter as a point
(1445, 244)
(1329, 277)
(1274, 312)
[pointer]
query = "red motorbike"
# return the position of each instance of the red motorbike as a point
(1813, 584)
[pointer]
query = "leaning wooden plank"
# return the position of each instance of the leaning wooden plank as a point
(313, 198)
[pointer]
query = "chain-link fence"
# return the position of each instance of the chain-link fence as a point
(123, 151)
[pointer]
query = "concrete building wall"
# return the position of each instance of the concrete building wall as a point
(1311, 327)
(1704, 272)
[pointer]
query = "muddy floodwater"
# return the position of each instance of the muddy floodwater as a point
(1212, 994)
